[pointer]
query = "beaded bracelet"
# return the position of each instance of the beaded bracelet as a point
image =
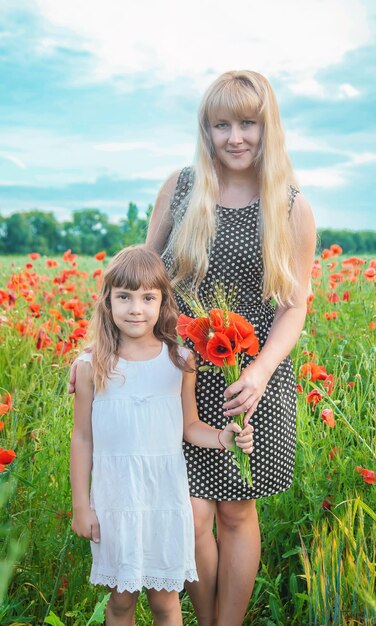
(220, 443)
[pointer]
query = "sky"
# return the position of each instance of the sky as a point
(99, 98)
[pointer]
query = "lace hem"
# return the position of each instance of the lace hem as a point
(150, 582)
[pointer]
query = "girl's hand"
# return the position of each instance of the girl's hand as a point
(244, 438)
(85, 524)
(248, 390)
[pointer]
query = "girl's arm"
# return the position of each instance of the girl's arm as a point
(201, 434)
(160, 222)
(84, 522)
(287, 325)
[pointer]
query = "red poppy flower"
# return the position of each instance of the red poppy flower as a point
(197, 330)
(217, 321)
(35, 309)
(299, 388)
(327, 503)
(51, 263)
(354, 260)
(333, 453)
(43, 340)
(328, 417)
(331, 315)
(62, 347)
(219, 350)
(369, 476)
(336, 249)
(69, 257)
(97, 273)
(370, 273)
(7, 456)
(182, 323)
(246, 331)
(333, 297)
(326, 253)
(78, 333)
(100, 256)
(7, 404)
(57, 314)
(34, 256)
(313, 371)
(328, 384)
(346, 296)
(315, 396)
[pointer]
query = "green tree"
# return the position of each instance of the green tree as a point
(85, 233)
(17, 238)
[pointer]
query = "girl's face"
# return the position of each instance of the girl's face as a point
(135, 313)
(236, 142)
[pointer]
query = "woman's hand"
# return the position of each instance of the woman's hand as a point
(85, 524)
(244, 438)
(248, 391)
(72, 373)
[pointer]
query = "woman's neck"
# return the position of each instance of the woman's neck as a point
(237, 189)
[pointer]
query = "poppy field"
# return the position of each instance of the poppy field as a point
(318, 538)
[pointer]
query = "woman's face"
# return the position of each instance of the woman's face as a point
(236, 142)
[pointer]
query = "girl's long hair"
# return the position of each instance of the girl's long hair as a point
(131, 268)
(241, 94)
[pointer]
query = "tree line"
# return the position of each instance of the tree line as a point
(89, 230)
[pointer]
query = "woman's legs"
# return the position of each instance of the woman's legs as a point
(165, 607)
(239, 547)
(120, 608)
(203, 593)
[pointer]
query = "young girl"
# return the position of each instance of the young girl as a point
(134, 403)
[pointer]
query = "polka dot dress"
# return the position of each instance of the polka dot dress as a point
(236, 259)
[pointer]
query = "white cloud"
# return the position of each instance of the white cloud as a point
(308, 87)
(348, 91)
(57, 158)
(362, 158)
(178, 149)
(13, 159)
(321, 177)
(170, 39)
(311, 88)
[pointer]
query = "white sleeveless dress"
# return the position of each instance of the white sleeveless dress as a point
(139, 487)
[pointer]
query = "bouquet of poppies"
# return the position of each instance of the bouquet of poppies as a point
(221, 337)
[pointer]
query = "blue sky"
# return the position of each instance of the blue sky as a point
(98, 98)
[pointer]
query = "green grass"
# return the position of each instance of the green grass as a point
(317, 564)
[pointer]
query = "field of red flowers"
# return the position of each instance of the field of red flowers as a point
(318, 559)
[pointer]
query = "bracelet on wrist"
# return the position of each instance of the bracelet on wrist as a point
(222, 447)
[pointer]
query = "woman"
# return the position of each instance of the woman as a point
(238, 218)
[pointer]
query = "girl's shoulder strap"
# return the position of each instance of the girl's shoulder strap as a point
(182, 191)
(292, 193)
(84, 356)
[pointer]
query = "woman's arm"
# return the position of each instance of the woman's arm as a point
(84, 522)
(201, 434)
(160, 222)
(287, 325)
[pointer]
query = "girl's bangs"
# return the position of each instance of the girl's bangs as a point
(136, 271)
(236, 98)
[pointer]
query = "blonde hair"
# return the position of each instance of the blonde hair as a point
(131, 268)
(241, 93)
